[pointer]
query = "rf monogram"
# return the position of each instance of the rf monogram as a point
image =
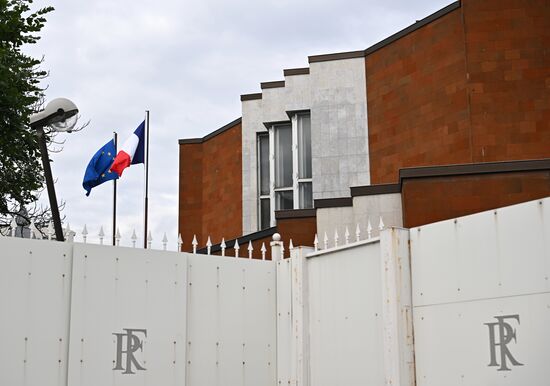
(501, 334)
(127, 344)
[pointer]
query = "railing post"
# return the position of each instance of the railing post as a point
(276, 247)
(398, 342)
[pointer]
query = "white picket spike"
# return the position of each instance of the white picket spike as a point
(263, 250)
(180, 242)
(194, 243)
(357, 233)
(369, 230)
(381, 224)
(250, 249)
(84, 234)
(101, 235)
(346, 235)
(290, 245)
(236, 247)
(282, 250)
(316, 243)
(13, 227)
(208, 246)
(164, 242)
(223, 246)
(325, 241)
(118, 236)
(335, 238)
(34, 230)
(134, 238)
(149, 240)
(50, 230)
(69, 236)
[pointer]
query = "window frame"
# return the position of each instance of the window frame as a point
(296, 180)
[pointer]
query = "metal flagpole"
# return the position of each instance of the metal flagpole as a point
(114, 191)
(146, 176)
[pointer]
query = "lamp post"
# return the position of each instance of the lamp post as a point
(57, 115)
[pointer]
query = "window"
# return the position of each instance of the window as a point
(284, 168)
(263, 178)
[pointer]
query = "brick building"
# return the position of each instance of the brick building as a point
(447, 117)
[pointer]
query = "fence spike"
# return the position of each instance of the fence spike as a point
(290, 245)
(250, 249)
(282, 249)
(325, 241)
(336, 238)
(180, 242)
(223, 246)
(346, 235)
(236, 247)
(34, 230)
(208, 246)
(369, 229)
(84, 234)
(194, 243)
(50, 230)
(357, 233)
(101, 235)
(381, 224)
(149, 240)
(263, 250)
(164, 242)
(69, 235)
(117, 237)
(13, 227)
(316, 243)
(134, 238)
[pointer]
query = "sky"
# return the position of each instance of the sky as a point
(187, 62)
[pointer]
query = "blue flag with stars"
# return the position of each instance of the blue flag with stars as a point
(98, 171)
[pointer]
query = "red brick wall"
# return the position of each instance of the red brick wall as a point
(211, 188)
(508, 52)
(426, 200)
(471, 86)
(417, 101)
(190, 193)
(301, 230)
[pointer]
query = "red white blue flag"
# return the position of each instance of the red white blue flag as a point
(131, 152)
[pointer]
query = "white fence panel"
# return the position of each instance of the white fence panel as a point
(35, 281)
(231, 322)
(481, 296)
(128, 317)
(345, 316)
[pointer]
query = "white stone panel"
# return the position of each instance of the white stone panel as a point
(251, 125)
(387, 206)
(330, 220)
(339, 127)
(335, 93)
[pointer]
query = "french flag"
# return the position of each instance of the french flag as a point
(131, 152)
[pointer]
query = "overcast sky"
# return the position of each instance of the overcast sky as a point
(187, 62)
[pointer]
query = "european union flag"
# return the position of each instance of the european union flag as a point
(98, 171)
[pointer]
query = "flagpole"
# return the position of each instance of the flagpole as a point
(146, 177)
(115, 139)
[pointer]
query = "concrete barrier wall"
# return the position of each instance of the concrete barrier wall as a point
(481, 295)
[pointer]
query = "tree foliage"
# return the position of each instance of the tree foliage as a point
(21, 174)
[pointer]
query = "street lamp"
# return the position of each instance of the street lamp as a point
(60, 115)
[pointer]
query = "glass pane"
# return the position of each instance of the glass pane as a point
(304, 146)
(265, 213)
(264, 164)
(306, 196)
(283, 156)
(284, 200)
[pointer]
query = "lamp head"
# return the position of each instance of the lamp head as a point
(60, 114)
